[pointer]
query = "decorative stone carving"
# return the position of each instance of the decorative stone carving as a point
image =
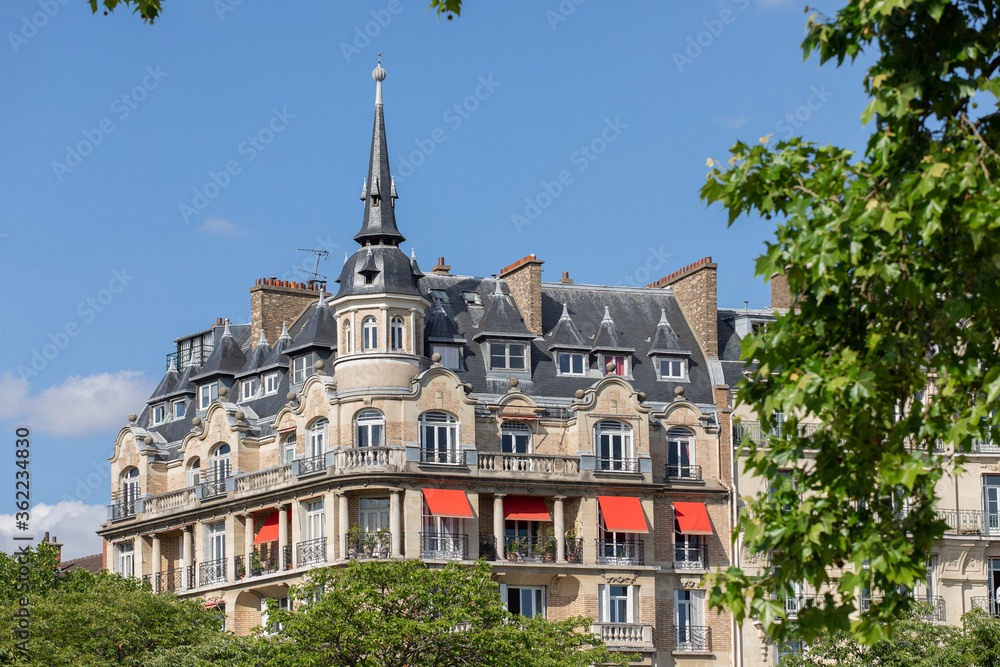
(619, 578)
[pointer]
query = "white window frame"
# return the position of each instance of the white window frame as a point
(315, 523)
(626, 363)
(678, 364)
(300, 369)
(288, 446)
(219, 463)
(571, 357)
(348, 336)
(369, 333)
(689, 609)
(612, 428)
(369, 428)
(192, 472)
(507, 356)
(267, 627)
(450, 356)
(536, 596)
(510, 432)
(608, 611)
(270, 384)
(125, 559)
(178, 408)
(683, 441)
(158, 414)
(317, 438)
(396, 333)
(215, 541)
(472, 298)
(130, 486)
(248, 389)
(373, 514)
(440, 423)
(207, 394)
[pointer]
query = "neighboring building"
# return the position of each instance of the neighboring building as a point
(963, 573)
(576, 435)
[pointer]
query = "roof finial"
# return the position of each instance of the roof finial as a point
(322, 297)
(284, 331)
(263, 338)
(379, 75)
(172, 364)
(413, 253)
(498, 291)
(663, 317)
(607, 315)
(226, 331)
(565, 313)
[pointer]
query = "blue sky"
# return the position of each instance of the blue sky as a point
(121, 229)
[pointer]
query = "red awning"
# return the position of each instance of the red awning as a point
(211, 605)
(448, 502)
(623, 515)
(692, 518)
(525, 508)
(269, 531)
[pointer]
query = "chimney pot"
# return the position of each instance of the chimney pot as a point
(218, 321)
(440, 260)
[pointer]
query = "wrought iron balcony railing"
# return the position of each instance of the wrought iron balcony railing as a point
(683, 472)
(970, 522)
(310, 552)
(611, 552)
(530, 549)
(488, 547)
(369, 545)
(451, 546)
(444, 457)
(574, 549)
(692, 638)
(618, 464)
(311, 464)
(212, 572)
(987, 603)
(690, 557)
(213, 484)
(121, 508)
(172, 580)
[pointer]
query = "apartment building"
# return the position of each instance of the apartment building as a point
(963, 573)
(577, 436)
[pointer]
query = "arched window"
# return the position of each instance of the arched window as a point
(369, 334)
(515, 438)
(348, 337)
(680, 455)
(369, 429)
(614, 446)
(317, 438)
(129, 492)
(288, 448)
(397, 333)
(193, 472)
(218, 463)
(439, 438)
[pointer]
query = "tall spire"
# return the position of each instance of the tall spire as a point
(379, 225)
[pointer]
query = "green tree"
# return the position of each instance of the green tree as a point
(402, 612)
(150, 10)
(893, 256)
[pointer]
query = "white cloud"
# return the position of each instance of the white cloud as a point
(732, 122)
(81, 405)
(72, 522)
(222, 227)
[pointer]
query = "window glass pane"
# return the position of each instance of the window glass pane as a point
(497, 355)
(565, 363)
(516, 356)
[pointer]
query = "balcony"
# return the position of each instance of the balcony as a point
(451, 457)
(369, 459)
(171, 580)
(212, 572)
(618, 465)
(121, 507)
(574, 549)
(795, 603)
(376, 545)
(935, 603)
(167, 502)
(985, 447)
(214, 487)
(312, 464)
(530, 549)
(692, 639)
(755, 431)
(255, 482)
(528, 464)
(625, 636)
(447, 546)
(988, 604)
(310, 552)
(970, 522)
(683, 473)
(265, 559)
(691, 558)
(619, 553)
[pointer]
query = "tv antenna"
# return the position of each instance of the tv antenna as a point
(315, 274)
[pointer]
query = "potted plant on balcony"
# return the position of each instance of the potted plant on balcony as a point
(514, 548)
(255, 564)
(353, 541)
(572, 555)
(548, 544)
(382, 543)
(486, 548)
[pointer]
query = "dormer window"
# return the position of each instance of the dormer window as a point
(439, 296)
(620, 362)
(207, 393)
(159, 414)
(472, 298)
(571, 363)
(450, 357)
(672, 368)
(302, 368)
(507, 356)
(270, 384)
(179, 408)
(374, 201)
(248, 389)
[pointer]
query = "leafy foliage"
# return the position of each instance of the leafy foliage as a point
(148, 10)
(915, 642)
(401, 612)
(893, 256)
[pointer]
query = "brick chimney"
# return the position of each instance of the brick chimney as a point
(54, 542)
(781, 295)
(694, 287)
(441, 269)
(274, 301)
(524, 278)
